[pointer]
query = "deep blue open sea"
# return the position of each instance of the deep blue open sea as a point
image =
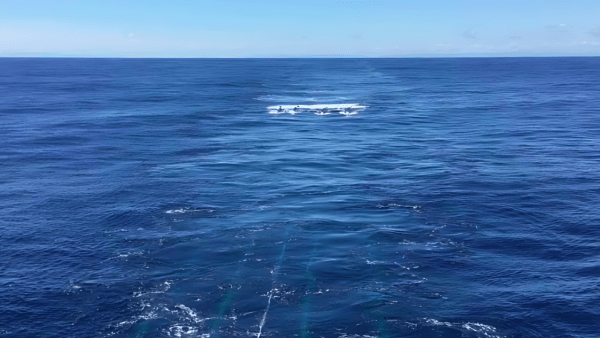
(159, 198)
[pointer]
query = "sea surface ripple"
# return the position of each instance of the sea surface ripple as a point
(159, 198)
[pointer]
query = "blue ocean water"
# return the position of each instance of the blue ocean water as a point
(159, 198)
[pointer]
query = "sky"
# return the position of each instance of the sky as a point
(294, 28)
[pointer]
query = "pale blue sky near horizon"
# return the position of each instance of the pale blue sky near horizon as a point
(308, 28)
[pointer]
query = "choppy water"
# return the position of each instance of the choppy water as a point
(158, 198)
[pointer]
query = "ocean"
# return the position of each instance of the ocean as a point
(159, 198)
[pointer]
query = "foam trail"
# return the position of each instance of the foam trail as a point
(264, 317)
(274, 273)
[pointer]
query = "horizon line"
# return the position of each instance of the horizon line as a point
(452, 56)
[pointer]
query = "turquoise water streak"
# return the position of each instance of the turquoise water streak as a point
(159, 198)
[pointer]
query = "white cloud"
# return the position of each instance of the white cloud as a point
(469, 34)
(559, 27)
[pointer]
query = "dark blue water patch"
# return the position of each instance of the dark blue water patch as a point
(159, 198)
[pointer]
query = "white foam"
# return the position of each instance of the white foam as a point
(438, 323)
(374, 262)
(487, 330)
(332, 106)
(414, 207)
(264, 317)
(186, 210)
(478, 328)
(180, 330)
(191, 313)
(129, 254)
(346, 109)
(174, 211)
(166, 286)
